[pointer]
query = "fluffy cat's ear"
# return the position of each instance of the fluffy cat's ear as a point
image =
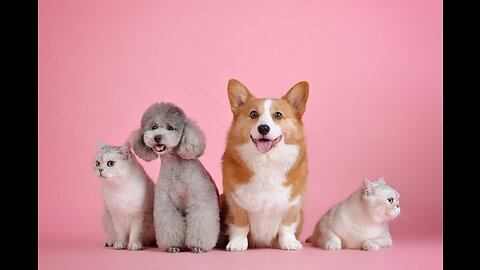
(139, 147)
(100, 144)
(192, 143)
(381, 180)
(237, 94)
(367, 187)
(125, 150)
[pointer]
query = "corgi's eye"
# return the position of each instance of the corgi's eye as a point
(169, 127)
(390, 200)
(253, 114)
(110, 163)
(97, 163)
(154, 127)
(278, 115)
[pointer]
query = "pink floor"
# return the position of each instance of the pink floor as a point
(406, 254)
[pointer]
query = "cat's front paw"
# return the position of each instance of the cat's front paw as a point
(371, 246)
(197, 250)
(174, 249)
(135, 246)
(332, 245)
(108, 243)
(290, 244)
(119, 245)
(238, 244)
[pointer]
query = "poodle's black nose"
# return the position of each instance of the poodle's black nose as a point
(158, 138)
(263, 129)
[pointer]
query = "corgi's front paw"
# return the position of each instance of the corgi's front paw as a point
(238, 244)
(290, 244)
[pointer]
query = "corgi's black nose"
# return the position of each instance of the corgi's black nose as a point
(263, 129)
(158, 138)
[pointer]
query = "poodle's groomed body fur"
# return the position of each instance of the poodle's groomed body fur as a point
(186, 208)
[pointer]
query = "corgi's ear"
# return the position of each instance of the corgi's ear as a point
(297, 97)
(238, 94)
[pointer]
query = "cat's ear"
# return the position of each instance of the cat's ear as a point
(367, 187)
(381, 180)
(100, 144)
(125, 150)
(140, 148)
(192, 143)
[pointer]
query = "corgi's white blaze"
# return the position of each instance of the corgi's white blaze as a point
(266, 119)
(265, 198)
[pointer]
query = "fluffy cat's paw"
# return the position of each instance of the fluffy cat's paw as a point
(174, 249)
(332, 245)
(290, 244)
(135, 246)
(108, 243)
(120, 245)
(371, 246)
(238, 244)
(197, 250)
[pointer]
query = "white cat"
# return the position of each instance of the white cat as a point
(360, 221)
(128, 197)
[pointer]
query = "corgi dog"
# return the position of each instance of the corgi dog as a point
(264, 169)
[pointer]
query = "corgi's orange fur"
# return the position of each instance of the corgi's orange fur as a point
(265, 169)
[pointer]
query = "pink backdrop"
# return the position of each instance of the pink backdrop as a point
(375, 105)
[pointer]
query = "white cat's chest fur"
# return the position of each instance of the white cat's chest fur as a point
(265, 197)
(125, 197)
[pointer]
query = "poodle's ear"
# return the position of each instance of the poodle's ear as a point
(139, 147)
(192, 143)
(125, 150)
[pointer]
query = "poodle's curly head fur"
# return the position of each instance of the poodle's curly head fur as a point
(166, 129)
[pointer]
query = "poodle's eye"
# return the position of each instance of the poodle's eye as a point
(154, 127)
(253, 114)
(110, 163)
(169, 127)
(97, 163)
(390, 200)
(278, 115)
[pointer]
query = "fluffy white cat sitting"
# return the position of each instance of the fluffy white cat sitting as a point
(360, 221)
(128, 197)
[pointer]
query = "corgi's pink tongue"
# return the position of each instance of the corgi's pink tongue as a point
(264, 146)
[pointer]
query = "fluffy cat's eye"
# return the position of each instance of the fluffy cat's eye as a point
(110, 163)
(253, 114)
(154, 127)
(169, 127)
(278, 115)
(390, 200)
(97, 163)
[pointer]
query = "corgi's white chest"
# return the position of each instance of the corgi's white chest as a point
(265, 197)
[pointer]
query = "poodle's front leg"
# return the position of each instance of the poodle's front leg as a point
(169, 223)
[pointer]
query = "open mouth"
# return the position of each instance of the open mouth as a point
(160, 147)
(264, 145)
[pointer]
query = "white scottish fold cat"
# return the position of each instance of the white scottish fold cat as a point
(360, 221)
(128, 197)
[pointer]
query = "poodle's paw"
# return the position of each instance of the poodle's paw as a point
(370, 245)
(108, 243)
(135, 246)
(332, 245)
(197, 250)
(174, 249)
(238, 244)
(120, 245)
(290, 244)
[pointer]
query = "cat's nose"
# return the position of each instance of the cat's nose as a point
(158, 138)
(398, 205)
(100, 170)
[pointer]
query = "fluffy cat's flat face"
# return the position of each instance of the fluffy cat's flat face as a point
(110, 162)
(163, 127)
(383, 200)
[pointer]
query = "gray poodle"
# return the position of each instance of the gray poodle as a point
(186, 207)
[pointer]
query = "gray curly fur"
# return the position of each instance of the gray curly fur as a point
(186, 207)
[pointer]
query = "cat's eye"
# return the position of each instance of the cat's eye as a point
(154, 127)
(390, 200)
(253, 114)
(110, 163)
(169, 127)
(278, 115)
(97, 163)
